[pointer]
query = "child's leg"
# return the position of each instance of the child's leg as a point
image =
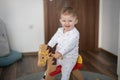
(67, 66)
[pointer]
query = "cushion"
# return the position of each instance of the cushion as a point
(11, 58)
(4, 46)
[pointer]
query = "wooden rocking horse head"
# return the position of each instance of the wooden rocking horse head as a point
(43, 55)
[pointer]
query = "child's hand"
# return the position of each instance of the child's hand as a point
(57, 55)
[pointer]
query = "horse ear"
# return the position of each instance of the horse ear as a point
(43, 47)
(47, 51)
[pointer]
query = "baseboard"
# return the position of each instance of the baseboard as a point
(30, 53)
(108, 53)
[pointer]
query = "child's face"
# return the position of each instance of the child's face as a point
(68, 22)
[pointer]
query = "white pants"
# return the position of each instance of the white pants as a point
(67, 66)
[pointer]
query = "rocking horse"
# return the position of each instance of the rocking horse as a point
(44, 58)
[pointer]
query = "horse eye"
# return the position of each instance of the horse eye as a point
(42, 57)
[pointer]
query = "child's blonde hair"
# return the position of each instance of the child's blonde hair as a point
(68, 11)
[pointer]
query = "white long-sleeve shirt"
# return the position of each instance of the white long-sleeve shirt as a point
(67, 42)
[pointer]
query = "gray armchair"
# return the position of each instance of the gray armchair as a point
(4, 46)
(7, 56)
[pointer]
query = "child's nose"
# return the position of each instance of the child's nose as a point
(66, 23)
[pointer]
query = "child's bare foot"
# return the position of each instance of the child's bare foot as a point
(43, 78)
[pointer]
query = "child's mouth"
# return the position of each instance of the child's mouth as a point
(67, 26)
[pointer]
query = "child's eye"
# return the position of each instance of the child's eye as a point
(70, 20)
(63, 20)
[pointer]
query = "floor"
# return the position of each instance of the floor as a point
(101, 62)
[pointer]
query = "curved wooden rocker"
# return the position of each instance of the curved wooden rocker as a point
(44, 58)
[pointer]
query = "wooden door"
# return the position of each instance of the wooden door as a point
(88, 16)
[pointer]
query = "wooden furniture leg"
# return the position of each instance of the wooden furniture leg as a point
(77, 74)
(71, 77)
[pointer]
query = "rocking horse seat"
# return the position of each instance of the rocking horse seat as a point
(58, 69)
(77, 66)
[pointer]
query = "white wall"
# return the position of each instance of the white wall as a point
(109, 25)
(25, 26)
(118, 61)
(24, 20)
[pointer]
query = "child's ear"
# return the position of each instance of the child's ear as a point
(60, 20)
(76, 21)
